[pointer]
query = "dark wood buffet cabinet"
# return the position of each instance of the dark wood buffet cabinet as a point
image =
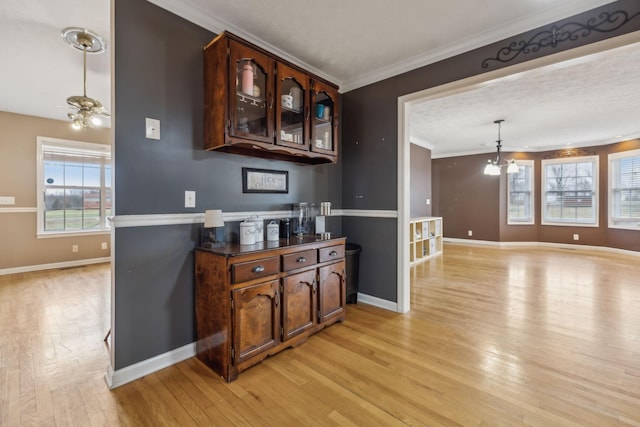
(260, 105)
(253, 301)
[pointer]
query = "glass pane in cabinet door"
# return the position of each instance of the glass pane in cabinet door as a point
(292, 112)
(250, 105)
(322, 122)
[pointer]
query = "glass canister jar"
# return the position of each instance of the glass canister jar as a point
(300, 219)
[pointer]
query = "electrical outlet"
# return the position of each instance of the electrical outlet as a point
(7, 200)
(74, 248)
(469, 233)
(189, 199)
(104, 245)
(428, 201)
(576, 237)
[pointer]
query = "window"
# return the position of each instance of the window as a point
(520, 194)
(570, 191)
(74, 187)
(624, 190)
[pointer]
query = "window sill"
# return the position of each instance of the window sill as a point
(54, 234)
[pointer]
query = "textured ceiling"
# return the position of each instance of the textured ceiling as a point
(352, 43)
(591, 100)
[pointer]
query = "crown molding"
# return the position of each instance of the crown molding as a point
(204, 18)
(474, 41)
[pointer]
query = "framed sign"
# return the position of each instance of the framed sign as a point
(264, 181)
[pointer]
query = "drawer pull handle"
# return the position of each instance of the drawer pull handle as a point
(301, 259)
(333, 253)
(257, 269)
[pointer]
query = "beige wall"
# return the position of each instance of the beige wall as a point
(19, 246)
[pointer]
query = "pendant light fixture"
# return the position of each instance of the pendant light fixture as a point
(88, 110)
(493, 167)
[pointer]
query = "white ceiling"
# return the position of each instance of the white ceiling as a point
(352, 43)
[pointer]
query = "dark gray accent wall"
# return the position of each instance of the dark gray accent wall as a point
(420, 181)
(370, 116)
(378, 264)
(159, 74)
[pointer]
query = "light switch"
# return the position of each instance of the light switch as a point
(152, 127)
(7, 200)
(189, 199)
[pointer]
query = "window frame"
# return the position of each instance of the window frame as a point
(532, 188)
(595, 159)
(75, 147)
(625, 224)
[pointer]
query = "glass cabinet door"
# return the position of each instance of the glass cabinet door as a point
(324, 118)
(292, 111)
(251, 83)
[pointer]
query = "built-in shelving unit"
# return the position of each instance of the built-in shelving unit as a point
(425, 238)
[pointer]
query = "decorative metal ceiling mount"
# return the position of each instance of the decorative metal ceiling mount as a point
(605, 22)
(88, 109)
(493, 167)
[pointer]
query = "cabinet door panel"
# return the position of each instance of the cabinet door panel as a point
(324, 119)
(251, 89)
(331, 290)
(256, 315)
(292, 108)
(298, 303)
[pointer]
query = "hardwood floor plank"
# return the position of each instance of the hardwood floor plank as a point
(495, 337)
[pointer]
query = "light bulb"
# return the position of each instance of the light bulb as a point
(77, 124)
(513, 167)
(95, 120)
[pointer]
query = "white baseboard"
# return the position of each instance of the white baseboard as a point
(138, 370)
(540, 245)
(65, 264)
(377, 302)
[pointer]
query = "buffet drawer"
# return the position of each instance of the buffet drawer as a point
(245, 271)
(330, 253)
(299, 260)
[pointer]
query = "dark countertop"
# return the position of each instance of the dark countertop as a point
(234, 249)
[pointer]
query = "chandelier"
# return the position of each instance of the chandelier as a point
(88, 110)
(493, 167)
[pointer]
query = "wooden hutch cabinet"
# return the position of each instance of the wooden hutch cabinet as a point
(260, 105)
(254, 301)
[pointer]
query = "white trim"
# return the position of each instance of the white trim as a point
(541, 244)
(623, 223)
(377, 302)
(122, 221)
(205, 19)
(366, 213)
(532, 190)
(18, 210)
(595, 159)
(405, 102)
(65, 264)
(403, 281)
(138, 370)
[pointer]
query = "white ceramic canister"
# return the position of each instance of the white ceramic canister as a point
(273, 232)
(247, 233)
(259, 227)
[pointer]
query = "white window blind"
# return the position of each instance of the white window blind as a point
(624, 190)
(570, 191)
(520, 194)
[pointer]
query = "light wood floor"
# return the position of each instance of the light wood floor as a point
(495, 337)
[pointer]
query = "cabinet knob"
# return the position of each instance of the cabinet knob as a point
(257, 269)
(301, 259)
(333, 253)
